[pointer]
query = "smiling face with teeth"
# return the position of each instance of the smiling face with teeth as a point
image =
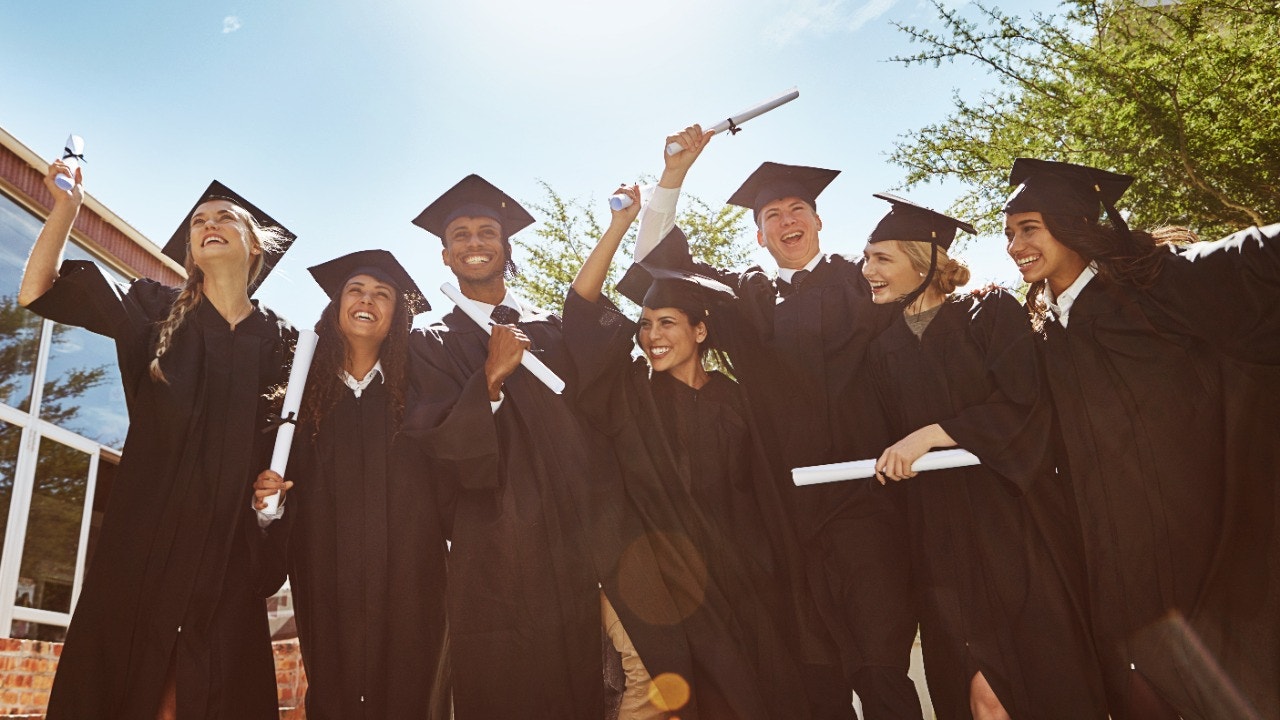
(889, 271)
(366, 307)
(671, 342)
(474, 249)
(789, 230)
(1038, 254)
(220, 234)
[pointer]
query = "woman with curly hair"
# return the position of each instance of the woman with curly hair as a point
(366, 547)
(1161, 363)
(1000, 625)
(172, 619)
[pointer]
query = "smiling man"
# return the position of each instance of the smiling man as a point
(524, 608)
(797, 342)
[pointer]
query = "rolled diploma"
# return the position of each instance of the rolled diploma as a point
(531, 363)
(745, 115)
(622, 202)
(74, 147)
(302, 356)
(860, 469)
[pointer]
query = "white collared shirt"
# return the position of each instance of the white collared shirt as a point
(359, 386)
(1061, 305)
(785, 274)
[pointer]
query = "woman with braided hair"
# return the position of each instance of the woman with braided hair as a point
(172, 620)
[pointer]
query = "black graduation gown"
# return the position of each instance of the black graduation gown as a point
(1166, 401)
(181, 568)
(367, 564)
(990, 595)
(799, 359)
(523, 594)
(691, 469)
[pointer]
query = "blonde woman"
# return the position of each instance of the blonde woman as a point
(171, 621)
(1001, 633)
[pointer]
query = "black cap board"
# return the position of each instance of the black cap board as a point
(332, 276)
(474, 196)
(667, 277)
(176, 247)
(1063, 188)
(909, 221)
(773, 181)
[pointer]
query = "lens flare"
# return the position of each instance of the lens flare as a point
(669, 692)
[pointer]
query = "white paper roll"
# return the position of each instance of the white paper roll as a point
(528, 360)
(302, 356)
(861, 469)
(735, 120)
(74, 147)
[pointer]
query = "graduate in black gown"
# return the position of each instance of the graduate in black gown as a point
(523, 595)
(172, 619)
(365, 542)
(1162, 361)
(694, 472)
(797, 343)
(1001, 624)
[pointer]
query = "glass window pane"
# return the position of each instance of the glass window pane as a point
(37, 631)
(53, 528)
(82, 390)
(19, 328)
(10, 437)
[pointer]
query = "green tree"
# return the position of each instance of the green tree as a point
(571, 228)
(1179, 93)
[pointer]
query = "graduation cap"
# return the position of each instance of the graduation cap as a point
(474, 196)
(772, 181)
(909, 221)
(667, 277)
(332, 276)
(176, 248)
(1061, 188)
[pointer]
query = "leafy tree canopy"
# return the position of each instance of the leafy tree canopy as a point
(1179, 93)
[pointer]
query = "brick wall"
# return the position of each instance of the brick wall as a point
(27, 667)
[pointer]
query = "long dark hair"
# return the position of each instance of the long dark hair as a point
(1133, 259)
(708, 348)
(324, 383)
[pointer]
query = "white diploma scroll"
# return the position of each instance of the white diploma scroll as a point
(860, 469)
(72, 153)
(528, 360)
(734, 121)
(302, 355)
(622, 202)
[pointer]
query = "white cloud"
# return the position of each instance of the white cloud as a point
(823, 17)
(230, 24)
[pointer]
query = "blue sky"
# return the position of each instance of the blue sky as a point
(343, 120)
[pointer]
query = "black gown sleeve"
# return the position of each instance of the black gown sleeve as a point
(1225, 292)
(1010, 430)
(85, 297)
(599, 339)
(453, 419)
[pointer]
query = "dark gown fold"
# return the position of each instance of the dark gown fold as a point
(1166, 399)
(181, 568)
(366, 549)
(523, 594)
(992, 596)
(692, 470)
